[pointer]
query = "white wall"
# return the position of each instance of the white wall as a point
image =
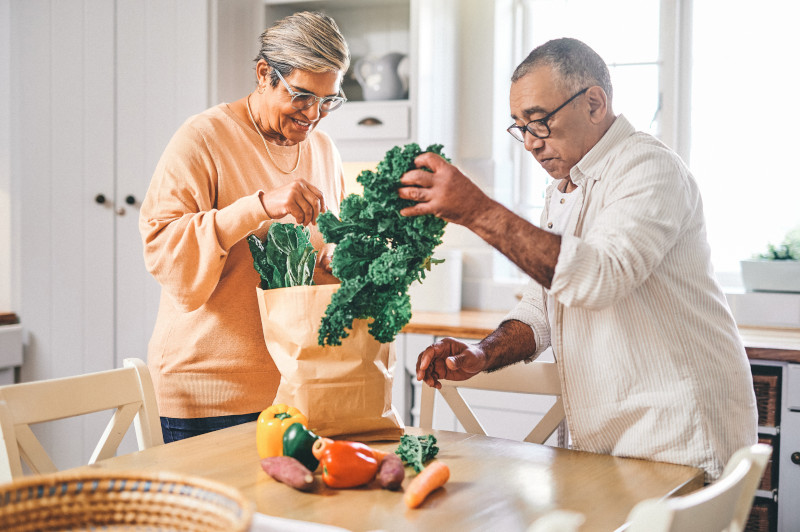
(7, 299)
(483, 81)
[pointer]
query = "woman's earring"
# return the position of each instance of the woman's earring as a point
(261, 89)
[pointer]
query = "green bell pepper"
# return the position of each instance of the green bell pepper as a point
(297, 443)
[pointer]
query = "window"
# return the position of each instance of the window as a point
(634, 70)
(717, 89)
(744, 124)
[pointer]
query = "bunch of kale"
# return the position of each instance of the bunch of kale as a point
(379, 253)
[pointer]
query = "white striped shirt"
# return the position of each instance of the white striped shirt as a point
(651, 362)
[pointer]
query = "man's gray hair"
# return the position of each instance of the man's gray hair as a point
(577, 66)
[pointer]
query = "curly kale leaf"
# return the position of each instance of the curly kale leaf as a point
(379, 253)
(416, 450)
(285, 258)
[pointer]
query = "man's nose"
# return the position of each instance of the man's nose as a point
(532, 143)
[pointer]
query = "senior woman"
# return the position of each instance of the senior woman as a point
(226, 173)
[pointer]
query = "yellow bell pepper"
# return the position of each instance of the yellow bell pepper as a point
(271, 425)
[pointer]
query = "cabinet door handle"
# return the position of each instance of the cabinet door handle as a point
(130, 199)
(796, 457)
(370, 121)
(100, 199)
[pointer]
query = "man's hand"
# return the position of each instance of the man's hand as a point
(444, 191)
(299, 198)
(451, 360)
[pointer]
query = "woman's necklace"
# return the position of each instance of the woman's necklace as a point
(299, 148)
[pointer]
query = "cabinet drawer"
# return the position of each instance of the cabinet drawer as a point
(763, 517)
(766, 384)
(368, 120)
(793, 386)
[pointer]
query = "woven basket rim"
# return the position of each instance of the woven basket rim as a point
(33, 487)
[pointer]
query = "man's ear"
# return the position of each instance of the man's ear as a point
(598, 104)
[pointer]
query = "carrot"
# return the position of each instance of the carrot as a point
(432, 477)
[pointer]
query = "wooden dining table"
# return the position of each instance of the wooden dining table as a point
(495, 484)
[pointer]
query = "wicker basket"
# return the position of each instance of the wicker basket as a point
(122, 501)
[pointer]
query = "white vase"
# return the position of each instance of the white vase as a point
(440, 291)
(381, 78)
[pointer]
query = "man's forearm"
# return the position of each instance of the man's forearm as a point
(532, 249)
(510, 343)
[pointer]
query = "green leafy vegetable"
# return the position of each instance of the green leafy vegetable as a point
(416, 450)
(379, 253)
(286, 258)
(788, 250)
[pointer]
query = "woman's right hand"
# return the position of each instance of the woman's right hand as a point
(299, 198)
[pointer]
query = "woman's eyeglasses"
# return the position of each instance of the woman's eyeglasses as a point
(304, 100)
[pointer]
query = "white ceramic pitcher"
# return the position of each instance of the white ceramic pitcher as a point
(380, 78)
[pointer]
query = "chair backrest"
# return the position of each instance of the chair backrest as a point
(723, 505)
(538, 377)
(128, 391)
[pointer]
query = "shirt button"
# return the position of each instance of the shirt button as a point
(549, 225)
(562, 201)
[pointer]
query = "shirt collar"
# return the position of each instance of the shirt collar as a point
(593, 163)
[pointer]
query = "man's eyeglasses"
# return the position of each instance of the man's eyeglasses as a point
(539, 127)
(304, 100)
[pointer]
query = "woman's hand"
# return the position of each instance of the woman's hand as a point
(323, 273)
(299, 198)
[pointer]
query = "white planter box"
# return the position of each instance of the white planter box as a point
(771, 275)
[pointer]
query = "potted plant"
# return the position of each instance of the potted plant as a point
(777, 270)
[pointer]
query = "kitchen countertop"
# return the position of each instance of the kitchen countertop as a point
(763, 343)
(476, 324)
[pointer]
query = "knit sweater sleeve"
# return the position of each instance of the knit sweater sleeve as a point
(186, 237)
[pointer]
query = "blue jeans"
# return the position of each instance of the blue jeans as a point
(175, 429)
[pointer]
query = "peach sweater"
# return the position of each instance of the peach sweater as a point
(207, 354)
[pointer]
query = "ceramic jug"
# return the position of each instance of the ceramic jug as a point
(380, 78)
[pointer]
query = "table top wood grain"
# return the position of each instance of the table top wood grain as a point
(495, 484)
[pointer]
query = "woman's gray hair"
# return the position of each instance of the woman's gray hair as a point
(308, 41)
(575, 63)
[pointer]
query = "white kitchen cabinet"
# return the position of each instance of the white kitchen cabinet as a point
(97, 89)
(10, 352)
(502, 414)
(423, 30)
(776, 380)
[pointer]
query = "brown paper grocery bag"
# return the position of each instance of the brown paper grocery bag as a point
(345, 391)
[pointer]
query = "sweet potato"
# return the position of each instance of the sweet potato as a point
(290, 471)
(391, 472)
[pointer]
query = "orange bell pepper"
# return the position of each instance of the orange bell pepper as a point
(345, 464)
(271, 425)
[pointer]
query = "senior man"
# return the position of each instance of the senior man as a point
(622, 287)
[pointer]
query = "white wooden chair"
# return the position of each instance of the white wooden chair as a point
(723, 505)
(538, 377)
(128, 391)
